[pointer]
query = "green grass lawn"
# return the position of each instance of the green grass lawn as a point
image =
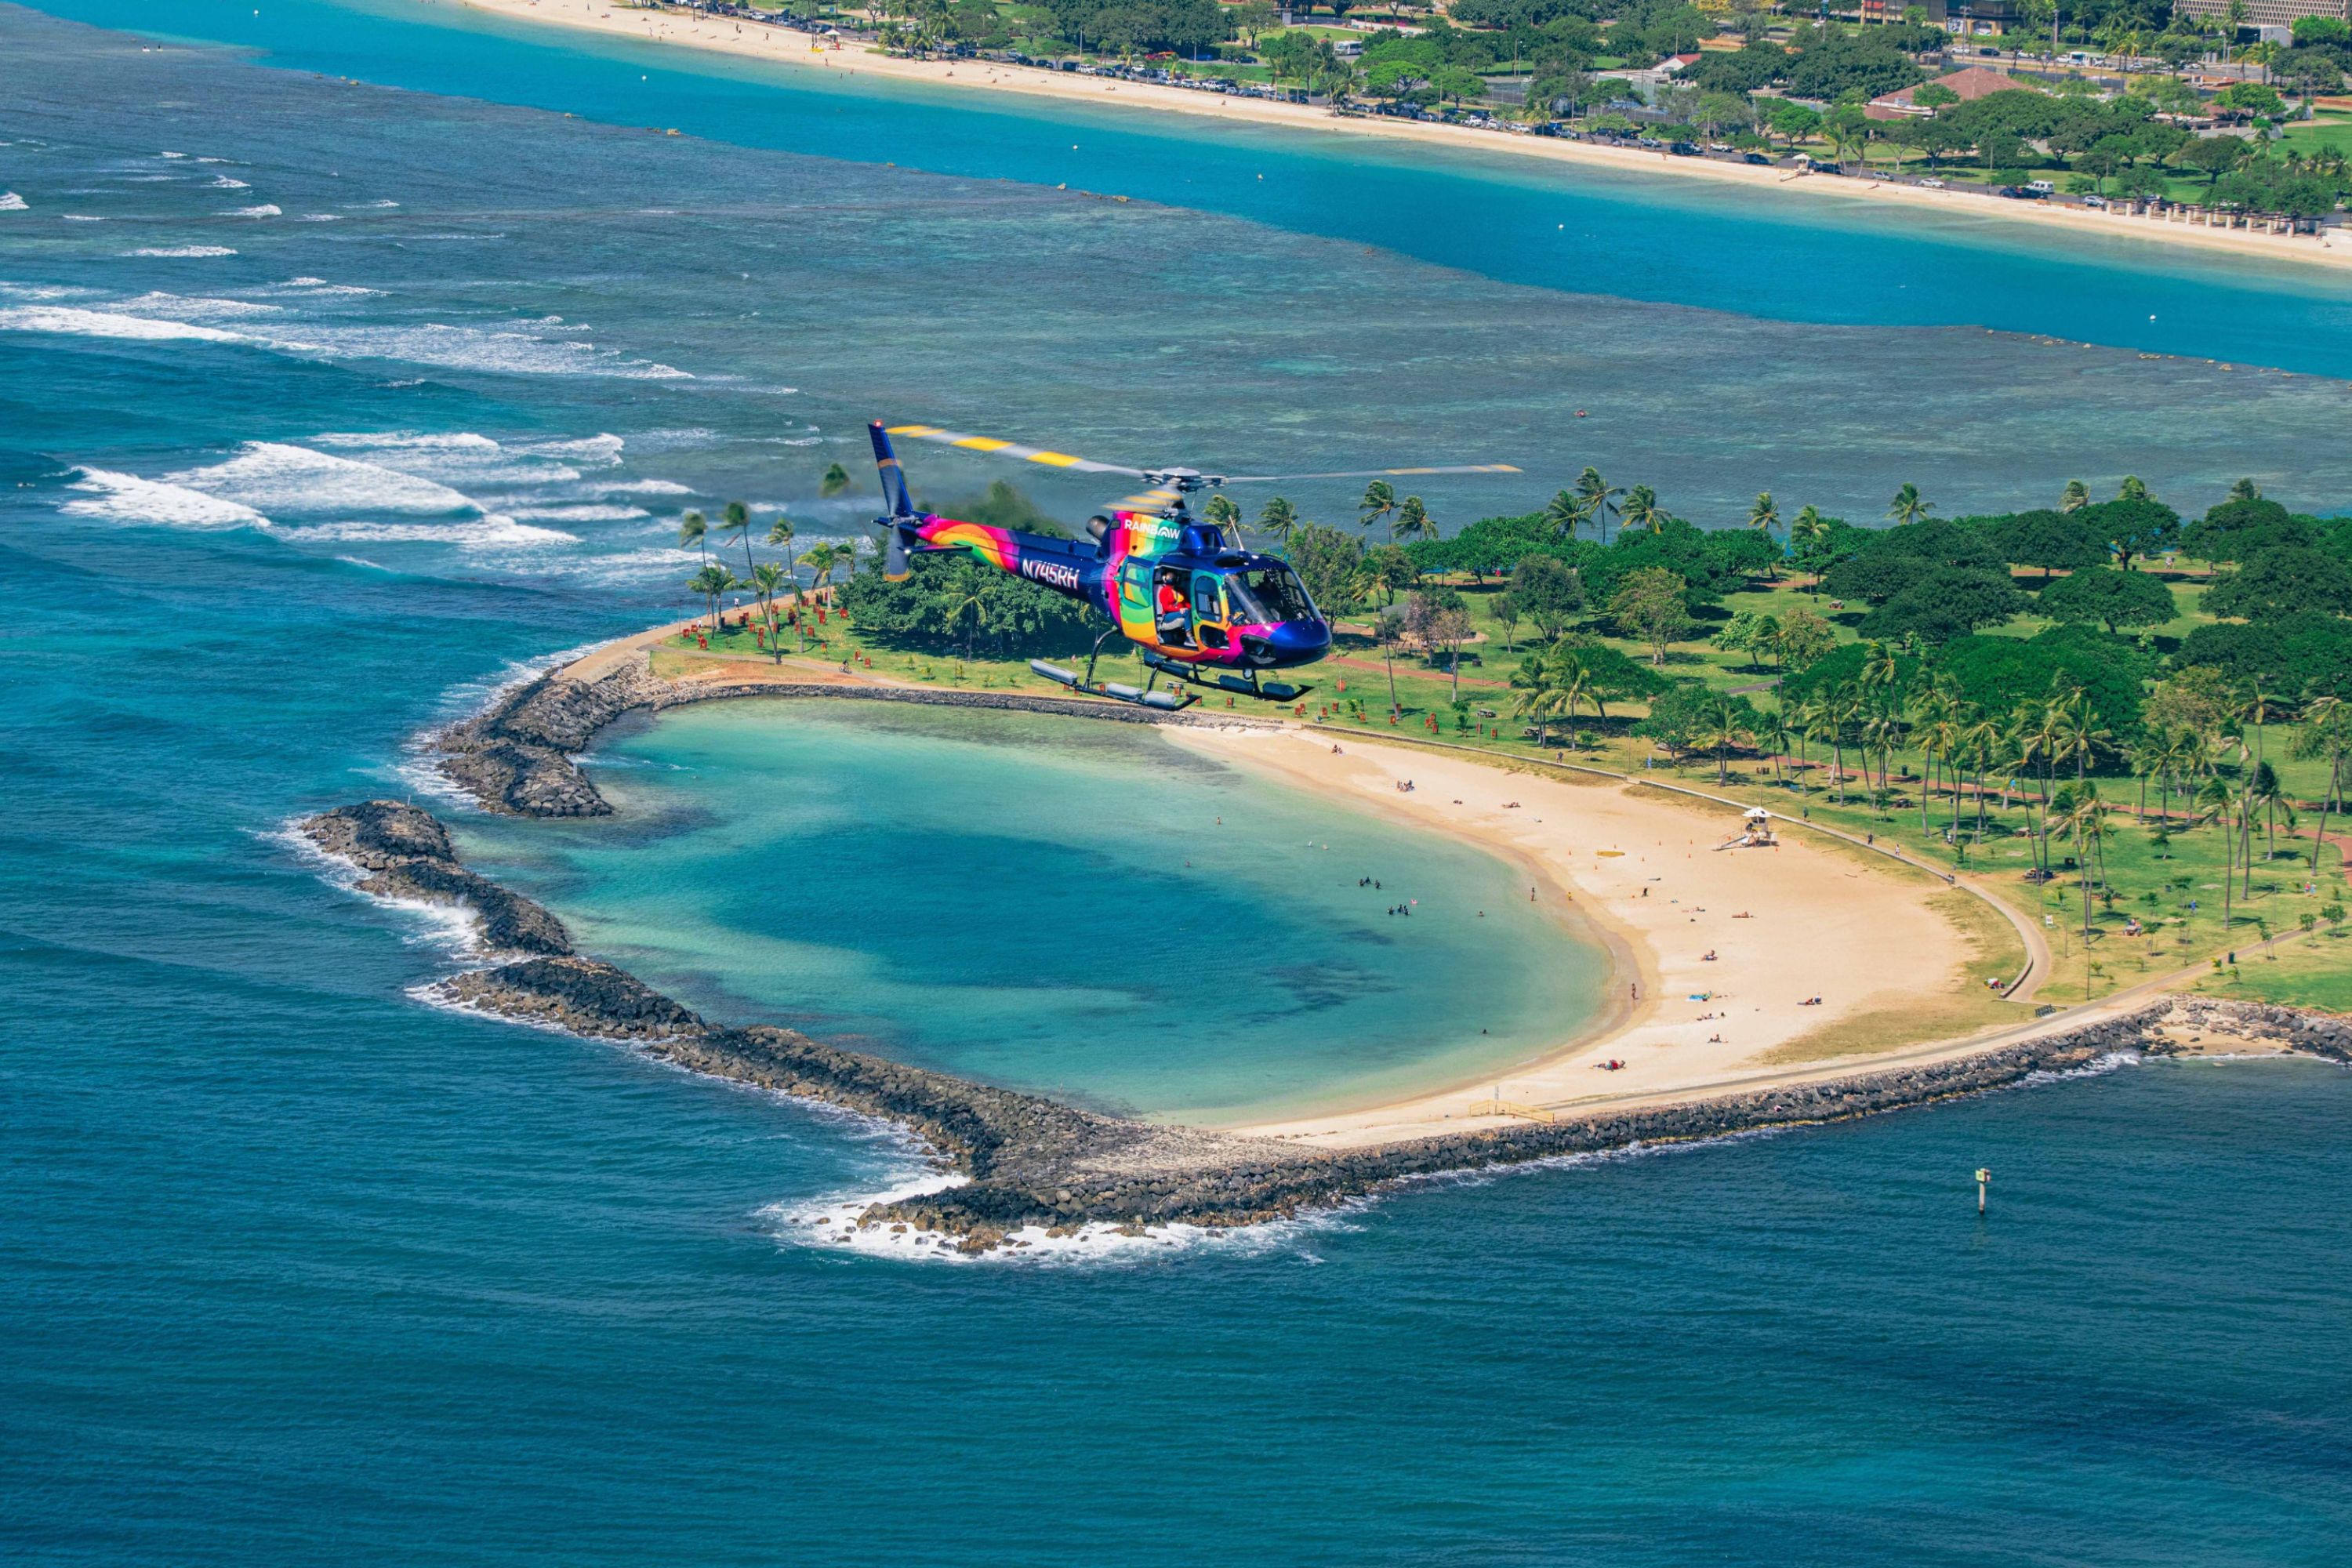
(2327, 129)
(2295, 972)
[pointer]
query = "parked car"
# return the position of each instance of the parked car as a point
(1933, 184)
(1755, 158)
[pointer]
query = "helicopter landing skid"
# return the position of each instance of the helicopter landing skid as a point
(1146, 696)
(1243, 686)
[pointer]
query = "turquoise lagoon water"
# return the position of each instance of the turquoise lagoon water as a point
(294, 1270)
(1081, 908)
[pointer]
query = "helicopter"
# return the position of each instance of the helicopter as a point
(1204, 610)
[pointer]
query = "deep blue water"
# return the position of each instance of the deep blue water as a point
(293, 1268)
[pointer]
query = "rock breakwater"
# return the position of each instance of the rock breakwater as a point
(1031, 1161)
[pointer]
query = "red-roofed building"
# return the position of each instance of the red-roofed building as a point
(1974, 82)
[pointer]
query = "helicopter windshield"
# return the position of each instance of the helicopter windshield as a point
(1268, 595)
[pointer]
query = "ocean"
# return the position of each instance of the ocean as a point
(295, 1267)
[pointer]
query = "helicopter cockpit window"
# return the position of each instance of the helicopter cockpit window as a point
(1204, 599)
(1268, 595)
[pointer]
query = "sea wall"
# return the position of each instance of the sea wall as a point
(515, 757)
(1031, 1161)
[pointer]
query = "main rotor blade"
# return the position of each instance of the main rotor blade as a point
(1372, 473)
(990, 444)
(1149, 501)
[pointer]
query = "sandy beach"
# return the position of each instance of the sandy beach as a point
(783, 45)
(1811, 918)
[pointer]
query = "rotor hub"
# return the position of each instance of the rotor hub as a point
(1184, 481)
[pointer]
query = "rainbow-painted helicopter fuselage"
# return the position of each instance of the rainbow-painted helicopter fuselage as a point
(1201, 608)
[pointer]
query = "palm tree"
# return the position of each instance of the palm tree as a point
(822, 561)
(969, 603)
(2220, 800)
(1843, 705)
(2076, 497)
(1771, 731)
(780, 534)
(1571, 682)
(835, 481)
(1724, 728)
(1534, 694)
(1277, 520)
(711, 583)
(692, 529)
(2079, 733)
(1907, 506)
(1412, 522)
(735, 519)
(1806, 530)
(1878, 668)
(2087, 819)
(2134, 488)
(2327, 733)
(1221, 512)
(1983, 742)
(1562, 513)
(1640, 509)
(768, 577)
(1881, 734)
(1379, 501)
(1599, 499)
(2245, 490)
(1762, 515)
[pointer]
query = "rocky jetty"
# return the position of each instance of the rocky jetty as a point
(406, 854)
(2313, 1034)
(1031, 1161)
(515, 757)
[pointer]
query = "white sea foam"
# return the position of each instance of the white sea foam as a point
(194, 307)
(319, 286)
(77, 322)
(453, 928)
(267, 209)
(599, 448)
(492, 530)
(10, 201)
(589, 512)
(628, 566)
(182, 250)
(226, 183)
(409, 440)
(80, 218)
(319, 218)
(171, 154)
(831, 1223)
(475, 349)
(126, 498)
(378, 205)
(673, 441)
(646, 488)
(282, 479)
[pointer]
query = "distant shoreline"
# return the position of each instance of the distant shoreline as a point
(779, 45)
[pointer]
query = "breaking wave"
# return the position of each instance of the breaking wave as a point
(126, 498)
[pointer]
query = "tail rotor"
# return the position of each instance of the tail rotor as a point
(899, 524)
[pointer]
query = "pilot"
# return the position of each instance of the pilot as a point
(1169, 602)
